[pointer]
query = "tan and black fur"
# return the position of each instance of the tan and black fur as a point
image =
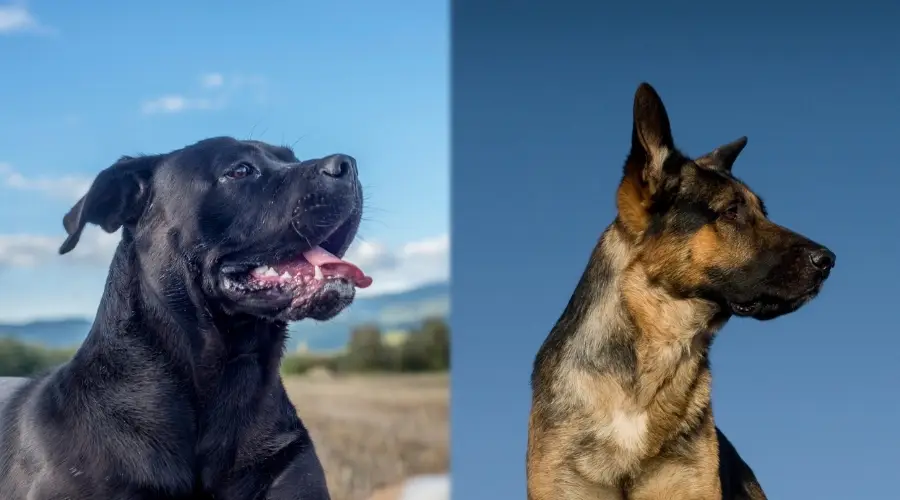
(621, 386)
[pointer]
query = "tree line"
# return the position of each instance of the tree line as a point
(23, 359)
(424, 349)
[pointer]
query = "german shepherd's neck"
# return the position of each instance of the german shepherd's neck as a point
(622, 378)
(647, 346)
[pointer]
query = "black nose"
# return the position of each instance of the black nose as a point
(822, 259)
(338, 166)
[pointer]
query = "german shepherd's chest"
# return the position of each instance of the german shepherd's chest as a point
(606, 427)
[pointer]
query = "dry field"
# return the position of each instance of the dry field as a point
(375, 431)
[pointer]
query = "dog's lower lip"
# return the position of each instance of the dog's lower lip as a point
(745, 309)
(808, 293)
(814, 289)
(751, 308)
(236, 268)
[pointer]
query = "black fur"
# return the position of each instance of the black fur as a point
(176, 392)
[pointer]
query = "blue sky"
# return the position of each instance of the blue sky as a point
(541, 128)
(84, 84)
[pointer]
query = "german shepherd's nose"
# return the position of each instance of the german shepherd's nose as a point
(822, 259)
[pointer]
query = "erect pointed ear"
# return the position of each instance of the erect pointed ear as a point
(723, 157)
(651, 136)
(651, 145)
(116, 197)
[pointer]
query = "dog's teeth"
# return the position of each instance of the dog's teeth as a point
(260, 270)
(271, 273)
(319, 274)
(286, 276)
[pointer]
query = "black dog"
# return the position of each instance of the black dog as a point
(176, 393)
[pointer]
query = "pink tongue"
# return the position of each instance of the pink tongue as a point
(318, 256)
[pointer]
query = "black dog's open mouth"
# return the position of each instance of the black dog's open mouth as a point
(301, 277)
(296, 272)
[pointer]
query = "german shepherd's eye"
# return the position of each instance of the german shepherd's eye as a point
(240, 171)
(732, 213)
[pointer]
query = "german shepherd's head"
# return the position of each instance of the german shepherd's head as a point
(702, 233)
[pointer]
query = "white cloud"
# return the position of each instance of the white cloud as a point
(15, 18)
(169, 104)
(396, 270)
(216, 92)
(368, 255)
(393, 269)
(33, 251)
(65, 187)
(212, 80)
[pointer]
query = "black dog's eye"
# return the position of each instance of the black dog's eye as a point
(241, 171)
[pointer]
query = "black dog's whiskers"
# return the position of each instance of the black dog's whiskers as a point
(368, 207)
(302, 235)
(294, 144)
(253, 129)
(368, 220)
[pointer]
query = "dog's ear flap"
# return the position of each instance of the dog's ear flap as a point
(651, 134)
(651, 145)
(723, 157)
(116, 198)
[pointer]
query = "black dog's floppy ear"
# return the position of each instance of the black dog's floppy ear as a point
(116, 198)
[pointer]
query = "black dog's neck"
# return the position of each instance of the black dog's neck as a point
(167, 316)
(159, 362)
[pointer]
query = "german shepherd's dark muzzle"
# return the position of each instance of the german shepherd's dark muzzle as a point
(788, 272)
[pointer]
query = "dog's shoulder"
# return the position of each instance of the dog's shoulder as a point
(8, 387)
(11, 390)
(15, 395)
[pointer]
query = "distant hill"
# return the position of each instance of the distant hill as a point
(400, 311)
(63, 333)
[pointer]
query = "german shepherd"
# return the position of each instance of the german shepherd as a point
(621, 386)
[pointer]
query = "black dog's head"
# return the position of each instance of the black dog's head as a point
(256, 230)
(703, 233)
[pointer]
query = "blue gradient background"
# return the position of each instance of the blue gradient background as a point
(542, 97)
